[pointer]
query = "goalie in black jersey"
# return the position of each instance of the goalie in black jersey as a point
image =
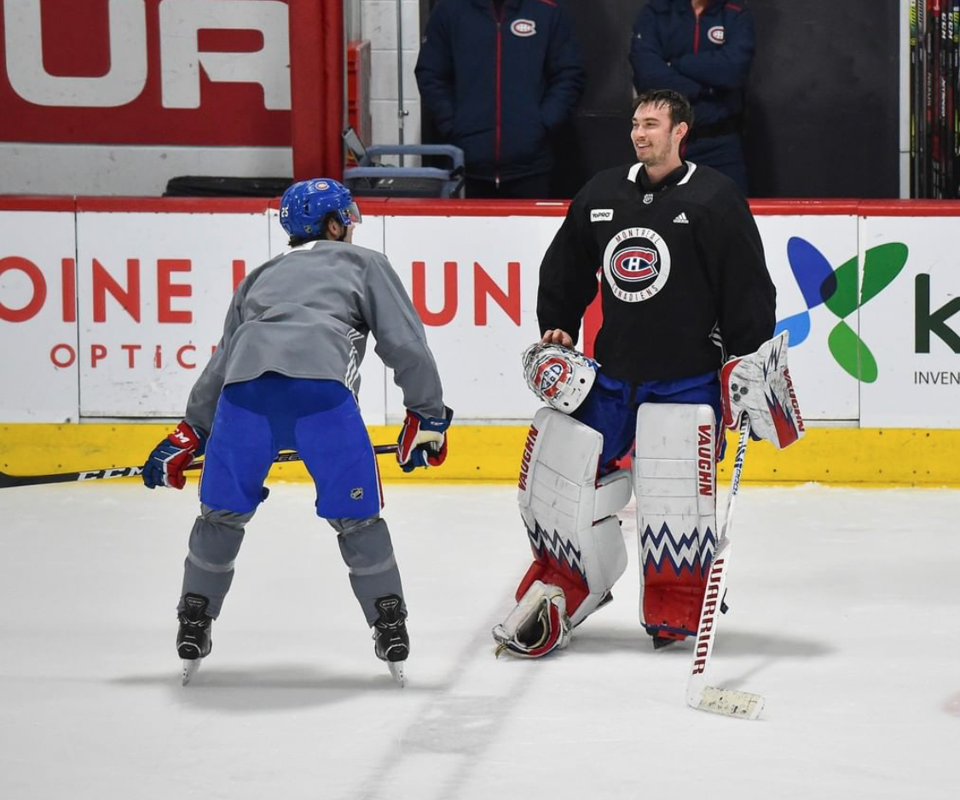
(683, 283)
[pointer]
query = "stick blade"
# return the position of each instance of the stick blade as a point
(727, 702)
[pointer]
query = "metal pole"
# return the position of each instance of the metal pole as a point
(401, 111)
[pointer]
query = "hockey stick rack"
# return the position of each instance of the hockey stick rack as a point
(9, 481)
(701, 695)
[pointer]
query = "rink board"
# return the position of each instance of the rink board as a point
(110, 308)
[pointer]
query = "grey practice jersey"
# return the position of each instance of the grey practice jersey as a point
(306, 314)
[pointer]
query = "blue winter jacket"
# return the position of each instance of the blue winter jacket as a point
(706, 58)
(496, 86)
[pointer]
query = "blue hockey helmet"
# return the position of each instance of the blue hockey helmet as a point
(305, 204)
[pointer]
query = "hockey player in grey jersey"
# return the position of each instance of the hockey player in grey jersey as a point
(285, 376)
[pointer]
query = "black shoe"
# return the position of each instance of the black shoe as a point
(391, 642)
(193, 639)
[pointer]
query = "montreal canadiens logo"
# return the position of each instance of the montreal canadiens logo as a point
(523, 27)
(636, 264)
(717, 34)
(633, 264)
(551, 374)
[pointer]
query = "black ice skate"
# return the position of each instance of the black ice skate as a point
(194, 642)
(391, 642)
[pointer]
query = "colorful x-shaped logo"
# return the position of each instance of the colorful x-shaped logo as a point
(838, 290)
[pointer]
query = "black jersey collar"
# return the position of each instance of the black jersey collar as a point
(639, 175)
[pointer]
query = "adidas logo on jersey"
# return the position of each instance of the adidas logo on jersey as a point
(681, 218)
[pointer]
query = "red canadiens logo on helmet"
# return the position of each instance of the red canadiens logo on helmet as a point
(635, 264)
(551, 374)
(524, 27)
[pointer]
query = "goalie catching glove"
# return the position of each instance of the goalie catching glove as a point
(759, 386)
(423, 440)
(168, 460)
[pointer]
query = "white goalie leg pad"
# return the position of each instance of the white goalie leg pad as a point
(569, 513)
(676, 486)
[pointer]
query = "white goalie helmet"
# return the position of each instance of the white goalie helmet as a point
(559, 376)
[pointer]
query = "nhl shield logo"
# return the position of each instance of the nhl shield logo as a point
(356, 494)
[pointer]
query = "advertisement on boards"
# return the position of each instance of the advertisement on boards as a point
(116, 319)
(38, 317)
(153, 291)
(804, 256)
(910, 322)
(143, 72)
(473, 280)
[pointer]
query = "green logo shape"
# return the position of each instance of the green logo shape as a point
(837, 289)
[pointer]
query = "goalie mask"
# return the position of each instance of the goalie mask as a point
(559, 376)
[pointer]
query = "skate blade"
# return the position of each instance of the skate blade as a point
(396, 669)
(190, 667)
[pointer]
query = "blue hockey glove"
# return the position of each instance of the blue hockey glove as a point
(166, 463)
(423, 440)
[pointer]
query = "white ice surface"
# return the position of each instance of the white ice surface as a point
(845, 608)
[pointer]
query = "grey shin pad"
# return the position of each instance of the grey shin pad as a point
(368, 552)
(214, 544)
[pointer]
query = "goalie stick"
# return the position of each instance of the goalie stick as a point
(701, 695)
(10, 481)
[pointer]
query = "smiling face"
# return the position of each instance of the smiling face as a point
(656, 139)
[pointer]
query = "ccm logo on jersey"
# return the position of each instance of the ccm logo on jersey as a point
(717, 34)
(523, 27)
(601, 215)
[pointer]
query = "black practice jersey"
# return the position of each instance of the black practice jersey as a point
(681, 267)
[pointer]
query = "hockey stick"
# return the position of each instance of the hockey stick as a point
(701, 695)
(10, 481)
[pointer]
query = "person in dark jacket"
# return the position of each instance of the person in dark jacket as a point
(498, 77)
(702, 49)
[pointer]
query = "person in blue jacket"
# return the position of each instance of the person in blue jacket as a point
(702, 49)
(498, 78)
